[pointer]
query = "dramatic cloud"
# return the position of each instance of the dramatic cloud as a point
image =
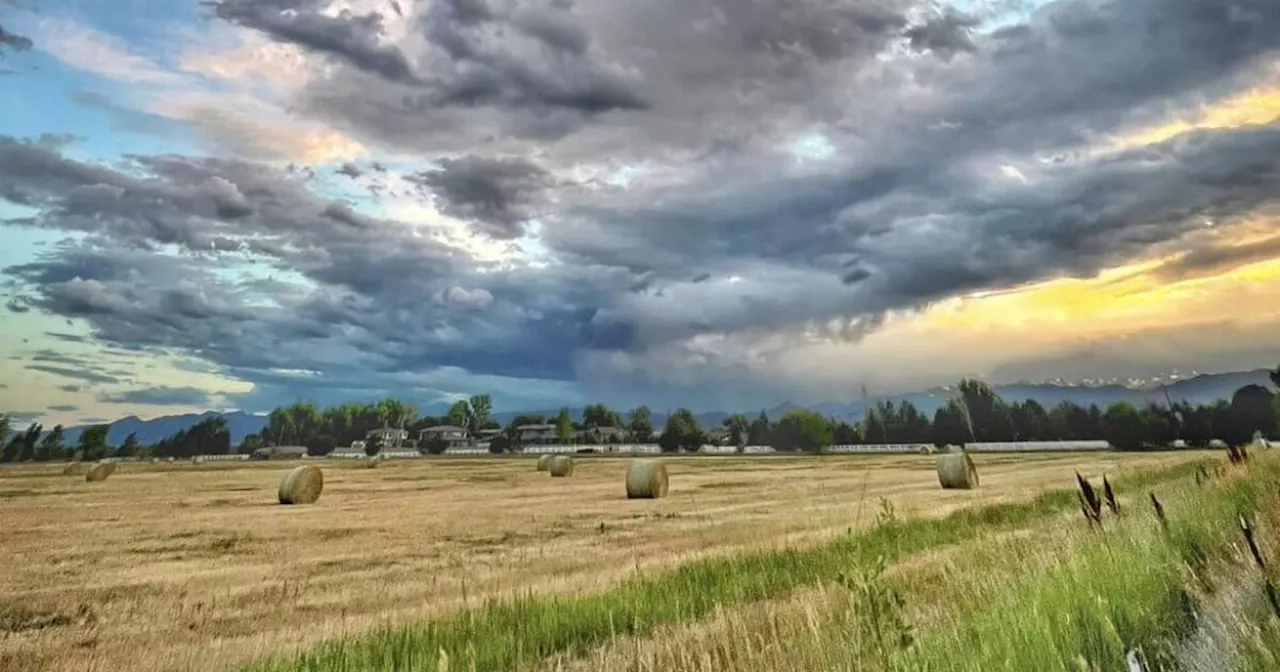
(499, 195)
(75, 374)
(657, 198)
(13, 41)
(159, 396)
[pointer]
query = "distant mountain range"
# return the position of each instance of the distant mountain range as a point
(1205, 388)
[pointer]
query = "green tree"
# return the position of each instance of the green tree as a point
(11, 449)
(759, 434)
(1030, 421)
(986, 415)
(1072, 422)
(641, 424)
(564, 426)
(249, 444)
(844, 433)
(875, 427)
(93, 442)
(30, 438)
(739, 428)
(912, 425)
(1122, 426)
(51, 446)
(1160, 425)
(130, 447)
(460, 414)
(481, 407)
(599, 415)
(5, 427)
(802, 430)
(1275, 376)
(949, 427)
(1252, 410)
(682, 432)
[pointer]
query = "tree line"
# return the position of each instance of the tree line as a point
(975, 414)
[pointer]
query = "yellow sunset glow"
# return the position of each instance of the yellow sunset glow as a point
(1256, 107)
(1118, 301)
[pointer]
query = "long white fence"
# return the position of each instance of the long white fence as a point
(233, 457)
(1036, 446)
(652, 449)
(882, 448)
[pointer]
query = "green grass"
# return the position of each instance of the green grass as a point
(1129, 586)
(506, 635)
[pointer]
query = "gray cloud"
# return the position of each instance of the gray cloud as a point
(353, 38)
(500, 195)
(160, 396)
(505, 75)
(13, 41)
(66, 338)
(75, 374)
(62, 408)
(71, 388)
(945, 34)
(23, 417)
(653, 143)
(1216, 259)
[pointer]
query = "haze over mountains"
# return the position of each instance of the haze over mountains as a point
(1198, 389)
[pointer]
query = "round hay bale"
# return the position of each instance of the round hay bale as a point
(926, 450)
(100, 472)
(75, 469)
(544, 462)
(560, 465)
(957, 471)
(646, 479)
(197, 459)
(301, 486)
(953, 449)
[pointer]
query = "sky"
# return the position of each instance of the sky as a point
(720, 204)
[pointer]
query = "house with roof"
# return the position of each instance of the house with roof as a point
(388, 436)
(720, 436)
(536, 434)
(452, 436)
(600, 435)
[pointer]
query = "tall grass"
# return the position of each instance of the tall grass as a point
(507, 635)
(1132, 586)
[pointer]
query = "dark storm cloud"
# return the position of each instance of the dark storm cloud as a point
(503, 73)
(945, 34)
(159, 396)
(383, 298)
(13, 41)
(500, 195)
(724, 231)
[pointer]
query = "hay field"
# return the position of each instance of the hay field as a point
(196, 567)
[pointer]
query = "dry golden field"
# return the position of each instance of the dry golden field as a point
(196, 567)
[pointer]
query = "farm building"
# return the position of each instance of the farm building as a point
(536, 434)
(452, 435)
